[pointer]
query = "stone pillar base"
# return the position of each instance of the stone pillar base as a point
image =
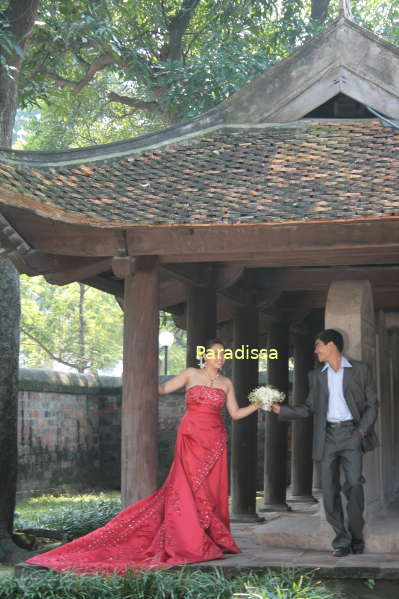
(246, 518)
(302, 499)
(278, 507)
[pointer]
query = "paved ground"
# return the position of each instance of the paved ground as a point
(367, 565)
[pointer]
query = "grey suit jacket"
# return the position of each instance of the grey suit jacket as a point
(360, 394)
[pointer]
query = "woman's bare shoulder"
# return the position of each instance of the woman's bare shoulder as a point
(192, 373)
(225, 381)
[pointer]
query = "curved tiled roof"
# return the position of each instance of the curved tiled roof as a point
(303, 171)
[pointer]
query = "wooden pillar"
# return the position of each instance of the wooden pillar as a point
(302, 430)
(140, 381)
(201, 319)
(244, 432)
(276, 442)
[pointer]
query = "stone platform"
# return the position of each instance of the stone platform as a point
(293, 540)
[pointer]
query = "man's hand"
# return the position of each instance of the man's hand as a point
(276, 408)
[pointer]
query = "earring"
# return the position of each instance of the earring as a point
(201, 362)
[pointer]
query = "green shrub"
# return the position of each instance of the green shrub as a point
(179, 583)
(284, 584)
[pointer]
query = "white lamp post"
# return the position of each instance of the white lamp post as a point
(166, 339)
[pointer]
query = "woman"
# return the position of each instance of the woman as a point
(187, 519)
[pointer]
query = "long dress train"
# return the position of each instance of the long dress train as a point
(185, 521)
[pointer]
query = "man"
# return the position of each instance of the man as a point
(343, 400)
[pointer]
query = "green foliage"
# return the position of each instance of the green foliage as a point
(84, 51)
(177, 351)
(182, 583)
(53, 328)
(380, 16)
(85, 119)
(371, 583)
(171, 73)
(285, 584)
(72, 516)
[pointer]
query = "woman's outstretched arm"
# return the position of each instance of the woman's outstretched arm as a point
(178, 381)
(233, 409)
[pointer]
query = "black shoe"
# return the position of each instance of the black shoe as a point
(357, 547)
(341, 551)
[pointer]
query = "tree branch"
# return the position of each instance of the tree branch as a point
(102, 61)
(172, 50)
(49, 352)
(136, 103)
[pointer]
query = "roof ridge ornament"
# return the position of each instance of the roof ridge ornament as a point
(345, 9)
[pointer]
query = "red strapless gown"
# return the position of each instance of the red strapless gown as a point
(185, 521)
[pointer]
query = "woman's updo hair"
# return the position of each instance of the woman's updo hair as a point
(211, 342)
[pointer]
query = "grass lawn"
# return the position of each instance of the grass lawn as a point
(71, 515)
(43, 503)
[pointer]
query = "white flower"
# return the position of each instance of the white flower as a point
(266, 395)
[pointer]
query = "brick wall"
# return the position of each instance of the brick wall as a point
(69, 431)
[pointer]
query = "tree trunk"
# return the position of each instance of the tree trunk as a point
(9, 328)
(82, 361)
(20, 14)
(319, 11)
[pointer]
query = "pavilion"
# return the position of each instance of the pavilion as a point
(268, 217)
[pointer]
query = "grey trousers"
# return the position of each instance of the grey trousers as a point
(343, 449)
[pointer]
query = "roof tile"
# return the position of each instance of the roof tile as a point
(327, 170)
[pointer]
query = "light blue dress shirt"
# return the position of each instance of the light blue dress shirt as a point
(338, 410)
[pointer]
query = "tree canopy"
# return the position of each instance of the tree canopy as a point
(75, 325)
(80, 327)
(101, 71)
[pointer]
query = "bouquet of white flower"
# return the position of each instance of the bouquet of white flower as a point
(266, 395)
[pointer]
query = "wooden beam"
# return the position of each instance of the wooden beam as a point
(346, 242)
(198, 275)
(240, 297)
(122, 266)
(10, 240)
(316, 278)
(41, 263)
(67, 239)
(267, 297)
(228, 274)
(172, 293)
(316, 256)
(243, 242)
(386, 300)
(105, 284)
(80, 272)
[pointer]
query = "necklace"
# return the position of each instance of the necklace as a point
(211, 380)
